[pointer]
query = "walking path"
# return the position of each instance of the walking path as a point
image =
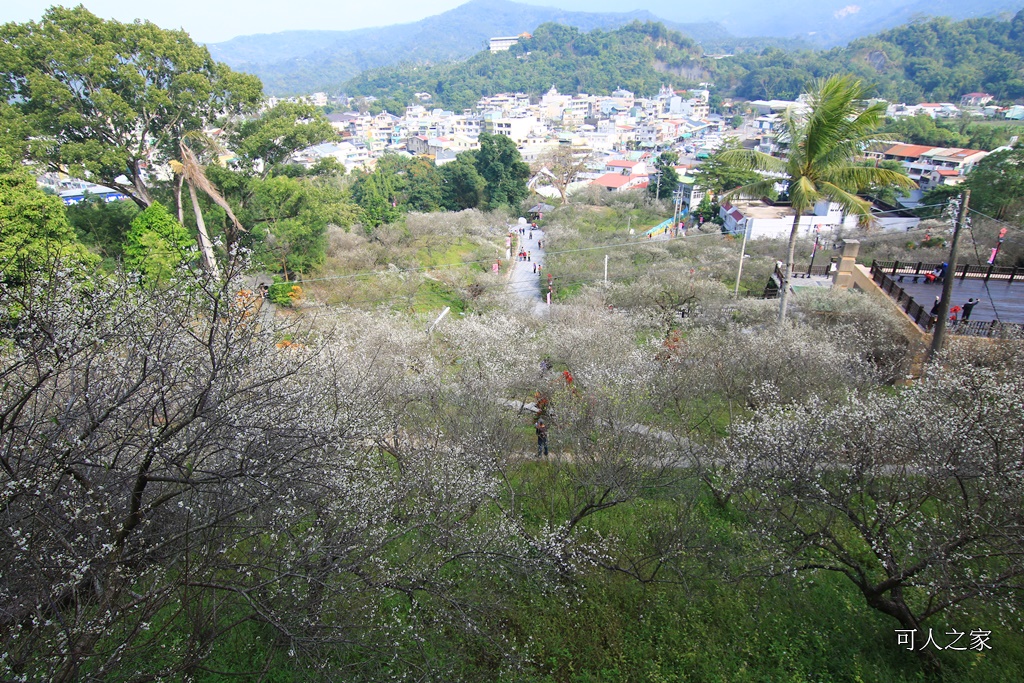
(524, 282)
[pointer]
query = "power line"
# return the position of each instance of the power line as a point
(977, 255)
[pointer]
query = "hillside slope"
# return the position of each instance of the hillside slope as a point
(937, 60)
(304, 61)
(640, 57)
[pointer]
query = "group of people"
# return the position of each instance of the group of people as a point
(525, 254)
(954, 311)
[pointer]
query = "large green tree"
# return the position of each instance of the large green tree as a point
(376, 194)
(503, 169)
(106, 99)
(291, 216)
(34, 230)
(157, 244)
(462, 186)
(997, 184)
(824, 144)
(263, 142)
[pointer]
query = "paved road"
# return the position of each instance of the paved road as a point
(524, 282)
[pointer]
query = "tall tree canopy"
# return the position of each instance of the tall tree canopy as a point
(503, 169)
(267, 140)
(106, 99)
(34, 230)
(997, 184)
(462, 186)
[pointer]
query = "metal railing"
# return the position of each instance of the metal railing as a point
(925, 320)
(902, 269)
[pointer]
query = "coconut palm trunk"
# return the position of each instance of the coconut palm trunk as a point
(178, 182)
(191, 171)
(788, 273)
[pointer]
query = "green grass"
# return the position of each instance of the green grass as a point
(454, 253)
(703, 620)
(435, 296)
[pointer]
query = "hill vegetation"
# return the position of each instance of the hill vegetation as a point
(299, 62)
(933, 60)
(639, 57)
(929, 60)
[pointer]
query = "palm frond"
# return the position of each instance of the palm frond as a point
(752, 190)
(194, 174)
(752, 160)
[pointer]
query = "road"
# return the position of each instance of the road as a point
(524, 282)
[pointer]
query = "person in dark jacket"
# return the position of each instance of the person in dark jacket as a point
(542, 437)
(968, 307)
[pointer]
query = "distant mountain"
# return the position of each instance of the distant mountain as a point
(934, 60)
(826, 23)
(294, 62)
(640, 57)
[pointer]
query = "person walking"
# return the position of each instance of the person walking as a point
(541, 427)
(968, 307)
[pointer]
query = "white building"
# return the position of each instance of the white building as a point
(502, 43)
(764, 221)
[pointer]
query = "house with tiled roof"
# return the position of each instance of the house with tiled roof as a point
(921, 161)
(617, 182)
(625, 167)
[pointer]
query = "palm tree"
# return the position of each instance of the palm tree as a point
(189, 170)
(824, 143)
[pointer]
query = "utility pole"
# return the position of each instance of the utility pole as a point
(939, 334)
(606, 270)
(743, 252)
(814, 249)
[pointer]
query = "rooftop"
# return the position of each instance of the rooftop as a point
(612, 180)
(754, 208)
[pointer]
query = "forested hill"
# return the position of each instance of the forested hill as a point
(639, 57)
(296, 62)
(936, 60)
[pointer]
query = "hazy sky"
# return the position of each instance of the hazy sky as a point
(211, 21)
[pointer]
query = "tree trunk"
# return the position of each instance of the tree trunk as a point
(897, 608)
(178, 180)
(141, 192)
(788, 275)
(205, 245)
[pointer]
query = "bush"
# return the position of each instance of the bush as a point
(284, 293)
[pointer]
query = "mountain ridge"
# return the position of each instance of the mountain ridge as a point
(295, 62)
